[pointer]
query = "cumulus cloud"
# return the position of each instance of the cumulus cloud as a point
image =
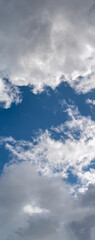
(8, 94)
(37, 207)
(73, 151)
(45, 43)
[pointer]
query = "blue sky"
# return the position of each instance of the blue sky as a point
(40, 119)
(47, 120)
(37, 113)
(42, 111)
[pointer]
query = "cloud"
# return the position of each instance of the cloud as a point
(55, 213)
(8, 94)
(44, 43)
(90, 101)
(72, 150)
(32, 210)
(21, 189)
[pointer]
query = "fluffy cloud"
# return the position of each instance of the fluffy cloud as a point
(32, 206)
(45, 43)
(8, 94)
(73, 151)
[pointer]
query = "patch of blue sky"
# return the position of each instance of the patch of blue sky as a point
(40, 111)
(90, 166)
(35, 112)
(71, 178)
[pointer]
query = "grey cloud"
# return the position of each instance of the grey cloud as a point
(19, 186)
(88, 199)
(68, 216)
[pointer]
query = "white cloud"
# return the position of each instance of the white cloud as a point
(74, 150)
(90, 101)
(45, 43)
(8, 94)
(31, 210)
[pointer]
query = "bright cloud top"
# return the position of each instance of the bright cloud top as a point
(45, 43)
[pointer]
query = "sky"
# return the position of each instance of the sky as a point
(47, 120)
